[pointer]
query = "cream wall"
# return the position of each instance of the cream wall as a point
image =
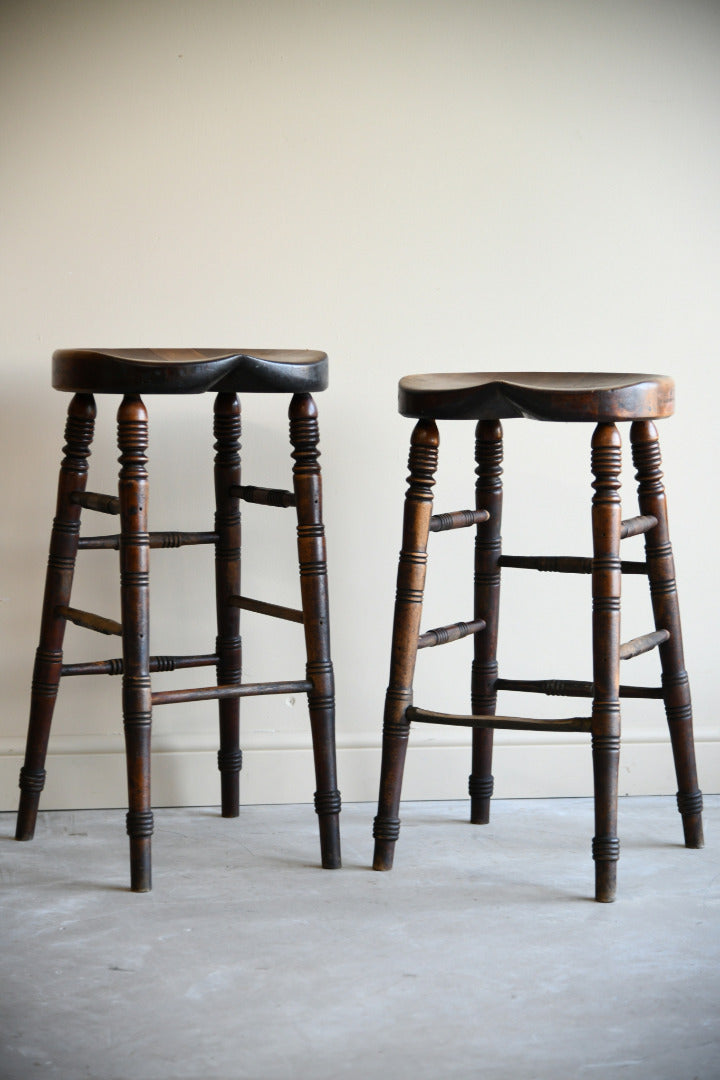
(410, 186)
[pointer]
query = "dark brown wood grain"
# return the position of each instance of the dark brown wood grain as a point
(262, 607)
(92, 500)
(189, 371)
(643, 644)
(549, 396)
(666, 611)
(231, 693)
(135, 610)
(572, 688)
(505, 723)
(459, 519)
(174, 371)
(312, 556)
(156, 540)
(444, 635)
(406, 631)
(606, 579)
(637, 526)
(228, 645)
(564, 564)
(486, 591)
(90, 621)
(157, 663)
(265, 496)
(58, 586)
(562, 396)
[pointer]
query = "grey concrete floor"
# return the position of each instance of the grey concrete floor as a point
(481, 955)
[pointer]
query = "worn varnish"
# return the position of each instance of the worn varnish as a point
(312, 556)
(488, 548)
(606, 400)
(537, 395)
(58, 586)
(135, 612)
(406, 631)
(228, 645)
(666, 610)
(133, 373)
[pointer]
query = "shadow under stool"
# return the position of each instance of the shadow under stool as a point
(488, 398)
(133, 373)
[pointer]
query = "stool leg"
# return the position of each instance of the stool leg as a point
(606, 585)
(227, 584)
(406, 630)
(663, 592)
(488, 545)
(307, 484)
(58, 585)
(135, 608)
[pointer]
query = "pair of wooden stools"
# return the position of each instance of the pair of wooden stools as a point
(486, 398)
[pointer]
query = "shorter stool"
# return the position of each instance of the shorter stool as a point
(227, 372)
(488, 398)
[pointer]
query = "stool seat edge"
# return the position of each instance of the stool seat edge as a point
(544, 395)
(189, 371)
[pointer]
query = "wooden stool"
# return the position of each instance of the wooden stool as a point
(488, 398)
(133, 372)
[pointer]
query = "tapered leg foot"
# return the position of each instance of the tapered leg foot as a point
(396, 732)
(488, 548)
(229, 766)
(135, 608)
(29, 804)
(693, 831)
(307, 484)
(406, 630)
(666, 611)
(690, 806)
(328, 802)
(605, 852)
(384, 853)
(140, 828)
(327, 808)
(227, 584)
(330, 852)
(58, 586)
(480, 784)
(606, 586)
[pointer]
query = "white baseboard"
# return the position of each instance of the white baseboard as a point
(90, 772)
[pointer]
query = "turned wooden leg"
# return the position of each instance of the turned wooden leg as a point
(58, 585)
(666, 611)
(227, 584)
(606, 584)
(406, 630)
(488, 545)
(134, 602)
(307, 484)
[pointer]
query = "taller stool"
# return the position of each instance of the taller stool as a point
(227, 372)
(489, 398)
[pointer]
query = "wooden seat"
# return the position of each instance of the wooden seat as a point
(537, 395)
(189, 371)
(488, 398)
(133, 373)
